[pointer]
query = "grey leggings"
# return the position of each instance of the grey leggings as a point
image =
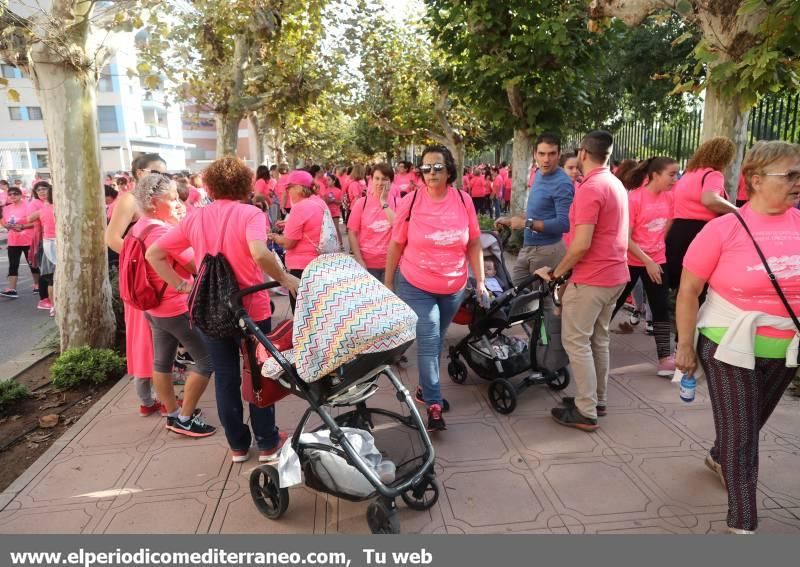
(168, 332)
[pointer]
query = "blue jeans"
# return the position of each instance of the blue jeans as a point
(434, 314)
(224, 355)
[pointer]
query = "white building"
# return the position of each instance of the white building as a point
(131, 122)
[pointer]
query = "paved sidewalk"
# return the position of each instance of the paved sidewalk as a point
(642, 472)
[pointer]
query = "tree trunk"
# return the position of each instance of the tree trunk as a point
(722, 116)
(458, 152)
(256, 145)
(82, 289)
(227, 133)
(520, 165)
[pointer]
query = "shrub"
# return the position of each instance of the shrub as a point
(11, 390)
(485, 222)
(85, 364)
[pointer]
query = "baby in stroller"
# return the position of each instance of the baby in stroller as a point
(347, 330)
(492, 351)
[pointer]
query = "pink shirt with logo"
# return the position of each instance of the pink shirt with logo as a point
(336, 194)
(723, 255)
(48, 219)
(436, 238)
(601, 200)
(690, 188)
(203, 231)
(369, 220)
(304, 225)
(172, 303)
(19, 213)
(649, 215)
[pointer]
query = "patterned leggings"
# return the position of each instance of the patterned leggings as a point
(742, 401)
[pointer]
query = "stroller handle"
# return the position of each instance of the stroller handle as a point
(235, 301)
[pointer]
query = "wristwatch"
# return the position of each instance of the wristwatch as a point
(385, 206)
(529, 225)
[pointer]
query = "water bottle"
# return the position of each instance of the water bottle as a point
(688, 388)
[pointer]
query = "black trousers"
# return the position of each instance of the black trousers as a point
(679, 237)
(15, 255)
(292, 298)
(658, 298)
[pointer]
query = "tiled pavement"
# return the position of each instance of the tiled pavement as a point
(641, 472)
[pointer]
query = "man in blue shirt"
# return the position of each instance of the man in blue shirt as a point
(547, 213)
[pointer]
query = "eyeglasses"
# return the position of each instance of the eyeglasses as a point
(793, 177)
(427, 168)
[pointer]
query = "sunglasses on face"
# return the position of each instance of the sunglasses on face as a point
(792, 177)
(428, 168)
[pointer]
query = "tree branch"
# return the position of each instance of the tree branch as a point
(632, 12)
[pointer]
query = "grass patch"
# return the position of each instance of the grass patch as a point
(11, 390)
(85, 364)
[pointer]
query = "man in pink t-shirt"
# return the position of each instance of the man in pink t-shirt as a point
(596, 257)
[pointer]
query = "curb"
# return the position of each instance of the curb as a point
(13, 368)
(23, 480)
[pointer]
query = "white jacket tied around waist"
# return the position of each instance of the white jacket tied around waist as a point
(737, 346)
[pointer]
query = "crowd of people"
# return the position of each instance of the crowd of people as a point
(599, 229)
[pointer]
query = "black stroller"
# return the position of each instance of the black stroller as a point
(331, 463)
(499, 357)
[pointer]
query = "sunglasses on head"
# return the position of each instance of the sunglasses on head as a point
(161, 173)
(436, 167)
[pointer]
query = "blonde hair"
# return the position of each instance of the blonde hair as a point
(357, 174)
(761, 155)
(716, 153)
(149, 187)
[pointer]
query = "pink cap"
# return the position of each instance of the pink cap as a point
(298, 177)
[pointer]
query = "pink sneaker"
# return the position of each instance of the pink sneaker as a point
(274, 453)
(44, 305)
(666, 369)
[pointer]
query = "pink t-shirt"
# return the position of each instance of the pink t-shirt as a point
(203, 231)
(261, 187)
(194, 196)
(601, 200)
(741, 192)
(356, 190)
(48, 219)
(304, 225)
(172, 303)
(497, 187)
(19, 213)
(401, 182)
(36, 205)
(479, 187)
(336, 194)
(649, 215)
(436, 238)
(374, 229)
(688, 190)
(724, 256)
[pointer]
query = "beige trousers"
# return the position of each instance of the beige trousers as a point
(585, 318)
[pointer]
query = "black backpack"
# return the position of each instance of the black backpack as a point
(210, 296)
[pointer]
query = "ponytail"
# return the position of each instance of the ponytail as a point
(645, 170)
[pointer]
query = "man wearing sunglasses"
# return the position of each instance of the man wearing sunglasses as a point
(597, 257)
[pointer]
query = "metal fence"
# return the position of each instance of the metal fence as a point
(776, 117)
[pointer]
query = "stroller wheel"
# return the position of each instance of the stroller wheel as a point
(457, 371)
(270, 499)
(502, 396)
(559, 380)
(381, 519)
(424, 496)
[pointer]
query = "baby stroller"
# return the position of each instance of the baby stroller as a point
(347, 330)
(497, 356)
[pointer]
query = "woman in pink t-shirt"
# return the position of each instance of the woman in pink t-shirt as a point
(650, 214)
(19, 219)
(261, 186)
(303, 226)
(47, 263)
(238, 231)
(370, 223)
(138, 338)
(158, 201)
(40, 191)
(746, 335)
(434, 237)
(699, 197)
(480, 187)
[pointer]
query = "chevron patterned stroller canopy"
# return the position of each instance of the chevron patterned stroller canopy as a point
(342, 311)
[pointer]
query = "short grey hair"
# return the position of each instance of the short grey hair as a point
(149, 187)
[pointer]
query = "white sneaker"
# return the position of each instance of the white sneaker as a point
(634, 318)
(737, 531)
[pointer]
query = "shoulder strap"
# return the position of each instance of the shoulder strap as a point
(771, 276)
(703, 181)
(413, 200)
(461, 196)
